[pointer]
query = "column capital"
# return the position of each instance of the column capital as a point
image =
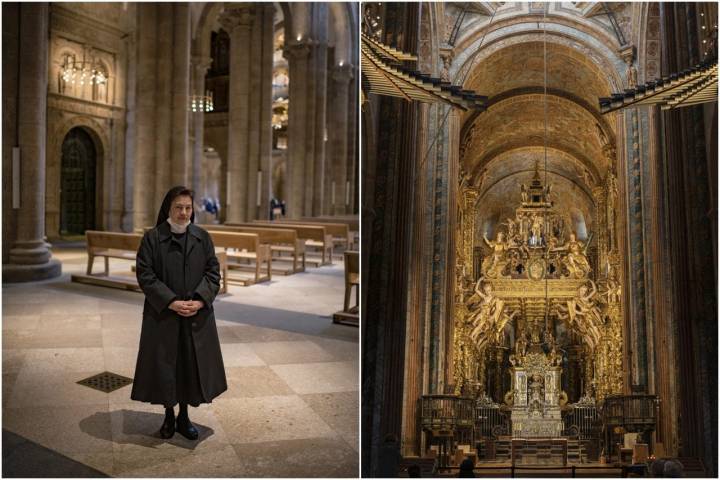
(241, 15)
(342, 73)
(297, 50)
(201, 62)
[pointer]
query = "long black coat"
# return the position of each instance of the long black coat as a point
(156, 364)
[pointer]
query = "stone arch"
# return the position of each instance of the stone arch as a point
(99, 134)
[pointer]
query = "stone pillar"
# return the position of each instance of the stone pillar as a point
(162, 76)
(199, 182)
(317, 114)
(352, 151)
(144, 169)
(238, 20)
(30, 257)
(298, 55)
(179, 137)
(337, 160)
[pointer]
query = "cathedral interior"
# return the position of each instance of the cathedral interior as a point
(539, 218)
(106, 106)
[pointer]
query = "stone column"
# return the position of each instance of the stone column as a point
(238, 20)
(163, 102)
(30, 257)
(199, 182)
(145, 159)
(317, 114)
(179, 138)
(298, 55)
(337, 161)
(352, 142)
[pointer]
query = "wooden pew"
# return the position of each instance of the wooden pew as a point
(109, 245)
(352, 221)
(339, 231)
(352, 279)
(247, 245)
(280, 240)
(313, 235)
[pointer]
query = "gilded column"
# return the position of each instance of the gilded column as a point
(238, 20)
(30, 257)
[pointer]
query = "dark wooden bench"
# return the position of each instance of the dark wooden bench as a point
(312, 235)
(352, 221)
(109, 245)
(280, 240)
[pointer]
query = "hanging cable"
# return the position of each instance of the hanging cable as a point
(545, 193)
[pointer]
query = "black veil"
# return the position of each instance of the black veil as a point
(171, 195)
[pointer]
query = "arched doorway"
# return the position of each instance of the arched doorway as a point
(77, 183)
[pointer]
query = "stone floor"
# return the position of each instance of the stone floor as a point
(291, 409)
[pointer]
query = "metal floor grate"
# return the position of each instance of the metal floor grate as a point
(106, 381)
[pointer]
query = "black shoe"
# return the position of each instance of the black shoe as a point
(186, 429)
(168, 427)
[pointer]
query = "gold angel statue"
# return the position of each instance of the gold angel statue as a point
(583, 314)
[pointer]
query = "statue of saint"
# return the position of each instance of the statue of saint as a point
(491, 263)
(576, 261)
(524, 193)
(487, 313)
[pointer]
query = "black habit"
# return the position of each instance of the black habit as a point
(179, 360)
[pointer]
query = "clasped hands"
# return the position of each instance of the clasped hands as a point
(186, 308)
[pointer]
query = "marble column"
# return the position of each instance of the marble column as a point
(199, 182)
(30, 256)
(238, 20)
(298, 55)
(179, 139)
(337, 160)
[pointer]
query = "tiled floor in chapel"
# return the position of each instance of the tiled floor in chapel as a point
(291, 409)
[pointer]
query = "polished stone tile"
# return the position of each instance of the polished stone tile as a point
(12, 360)
(320, 377)
(20, 322)
(120, 360)
(274, 353)
(46, 338)
(34, 389)
(65, 429)
(8, 382)
(263, 419)
(121, 337)
(130, 320)
(42, 361)
(308, 458)
(248, 382)
(240, 355)
(70, 323)
(252, 334)
(340, 411)
(343, 351)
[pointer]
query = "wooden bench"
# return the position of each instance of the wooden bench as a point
(280, 241)
(312, 235)
(109, 245)
(245, 246)
(352, 221)
(339, 231)
(352, 278)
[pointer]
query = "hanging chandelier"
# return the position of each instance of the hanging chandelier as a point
(74, 72)
(202, 103)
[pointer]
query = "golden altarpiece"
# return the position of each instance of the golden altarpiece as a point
(540, 324)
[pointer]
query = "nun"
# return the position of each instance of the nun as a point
(179, 360)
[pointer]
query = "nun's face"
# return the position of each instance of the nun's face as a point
(181, 209)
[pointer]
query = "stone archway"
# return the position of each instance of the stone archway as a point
(98, 134)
